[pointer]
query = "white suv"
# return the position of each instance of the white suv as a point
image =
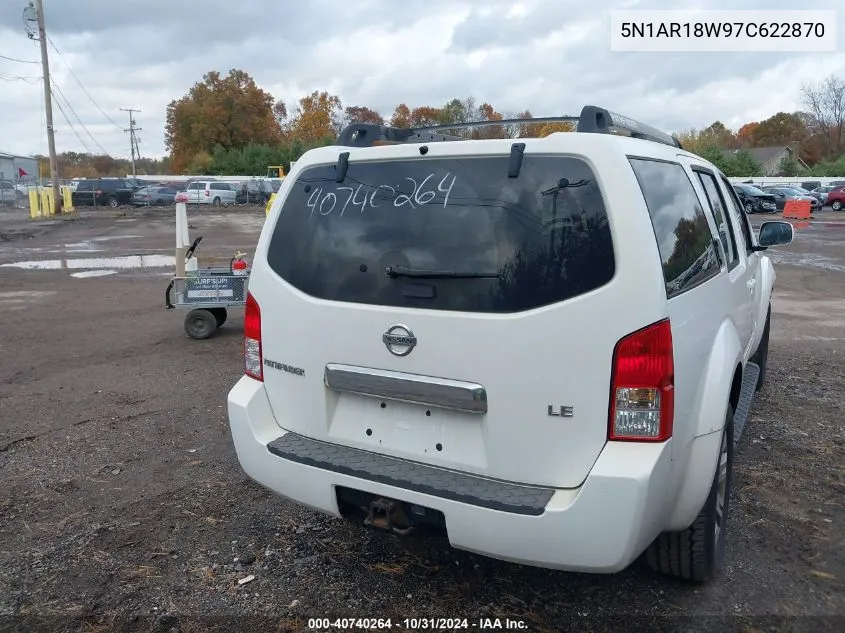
(545, 346)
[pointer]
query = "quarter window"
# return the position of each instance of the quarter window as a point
(684, 240)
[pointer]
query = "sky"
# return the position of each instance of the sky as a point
(548, 56)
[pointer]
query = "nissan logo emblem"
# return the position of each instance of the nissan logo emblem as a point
(399, 340)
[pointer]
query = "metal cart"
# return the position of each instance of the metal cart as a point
(206, 292)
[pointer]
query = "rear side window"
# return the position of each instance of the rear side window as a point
(683, 236)
(720, 216)
(85, 185)
(463, 235)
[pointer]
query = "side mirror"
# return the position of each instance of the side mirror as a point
(775, 234)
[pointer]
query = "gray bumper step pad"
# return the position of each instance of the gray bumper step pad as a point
(437, 482)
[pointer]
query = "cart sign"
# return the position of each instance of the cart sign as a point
(224, 289)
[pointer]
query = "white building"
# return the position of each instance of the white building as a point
(21, 170)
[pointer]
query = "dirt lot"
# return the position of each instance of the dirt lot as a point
(123, 507)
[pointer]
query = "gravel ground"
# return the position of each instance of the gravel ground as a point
(123, 506)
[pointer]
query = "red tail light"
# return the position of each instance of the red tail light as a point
(98, 193)
(206, 193)
(253, 359)
(642, 395)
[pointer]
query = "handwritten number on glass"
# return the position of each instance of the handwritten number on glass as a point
(325, 202)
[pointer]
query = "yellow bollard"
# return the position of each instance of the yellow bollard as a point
(34, 204)
(67, 200)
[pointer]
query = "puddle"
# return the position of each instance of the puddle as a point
(116, 237)
(93, 273)
(806, 260)
(129, 261)
(78, 250)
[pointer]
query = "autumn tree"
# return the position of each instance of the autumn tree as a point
(826, 103)
(362, 114)
(780, 129)
(425, 115)
(401, 116)
(717, 135)
(551, 128)
(280, 112)
(230, 111)
(745, 134)
(319, 116)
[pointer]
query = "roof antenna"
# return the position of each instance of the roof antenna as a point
(342, 166)
(515, 162)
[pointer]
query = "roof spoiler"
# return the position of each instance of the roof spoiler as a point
(593, 120)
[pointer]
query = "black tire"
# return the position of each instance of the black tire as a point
(761, 356)
(749, 208)
(112, 202)
(200, 324)
(219, 315)
(836, 205)
(698, 552)
(216, 202)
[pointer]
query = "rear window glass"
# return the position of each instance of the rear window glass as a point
(519, 243)
(686, 244)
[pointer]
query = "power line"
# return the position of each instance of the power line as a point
(70, 125)
(29, 80)
(20, 61)
(76, 116)
(73, 74)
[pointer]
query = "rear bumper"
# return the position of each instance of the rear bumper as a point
(600, 527)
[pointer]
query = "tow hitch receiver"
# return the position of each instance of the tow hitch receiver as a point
(386, 514)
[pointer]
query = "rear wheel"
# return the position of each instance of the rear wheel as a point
(112, 202)
(200, 324)
(836, 205)
(697, 552)
(761, 356)
(216, 202)
(749, 208)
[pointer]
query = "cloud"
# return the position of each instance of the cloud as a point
(550, 56)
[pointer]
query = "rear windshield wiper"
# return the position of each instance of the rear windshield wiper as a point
(421, 273)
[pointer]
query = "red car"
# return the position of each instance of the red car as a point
(836, 199)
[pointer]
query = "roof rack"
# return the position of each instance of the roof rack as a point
(593, 120)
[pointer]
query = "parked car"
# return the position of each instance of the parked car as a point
(253, 192)
(579, 444)
(112, 192)
(8, 194)
(807, 192)
(822, 192)
(785, 194)
(211, 192)
(755, 200)
(153, 195)
(836, 198)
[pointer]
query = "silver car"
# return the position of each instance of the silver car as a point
(823, 191)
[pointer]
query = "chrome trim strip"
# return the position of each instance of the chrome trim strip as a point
(414, 388)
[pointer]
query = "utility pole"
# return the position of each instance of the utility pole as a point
(48, 103)
(133, 140)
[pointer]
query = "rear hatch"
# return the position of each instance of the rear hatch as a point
(438, 310)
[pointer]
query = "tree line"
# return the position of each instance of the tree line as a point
(229, 125)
